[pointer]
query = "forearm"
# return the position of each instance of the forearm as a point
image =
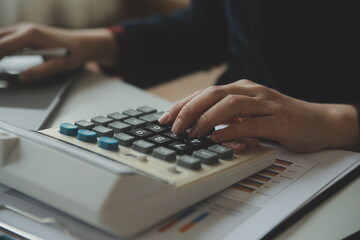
(343, 127)
(97, 45)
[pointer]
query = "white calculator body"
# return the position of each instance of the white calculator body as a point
(121, 189)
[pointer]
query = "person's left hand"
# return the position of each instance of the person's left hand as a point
(255, 111)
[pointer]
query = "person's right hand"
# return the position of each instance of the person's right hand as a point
(85, 45)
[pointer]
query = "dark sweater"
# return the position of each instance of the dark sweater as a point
(306, 49)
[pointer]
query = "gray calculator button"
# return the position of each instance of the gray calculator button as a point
(117, 116)
(206, 156)
(146, 109)
(133, 113)
(135, 122)
(124, 139)
(119, 127)
(224, 152)
(189, 162)
(152, 118)
(101, 120)
(164, 154)
(102, 131)
(143, 146)
(83, 124)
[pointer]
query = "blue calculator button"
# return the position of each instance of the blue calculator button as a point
(86, 136)
(5, 237)
(68, 129)
(109, 143)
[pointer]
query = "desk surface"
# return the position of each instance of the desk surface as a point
(336, 218)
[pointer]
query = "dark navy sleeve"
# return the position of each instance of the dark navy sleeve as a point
(163, 47)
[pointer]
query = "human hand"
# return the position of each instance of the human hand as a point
(84, 45)
(255, 111)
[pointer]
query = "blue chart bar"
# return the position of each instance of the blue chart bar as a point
(176, 220)
(194, 222)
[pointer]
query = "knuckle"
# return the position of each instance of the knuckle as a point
(260, 88)
(215, 90)
(187, 109)
(23, 24)
(245, 81)
(177, 106)
(30, 29)
(233, 100)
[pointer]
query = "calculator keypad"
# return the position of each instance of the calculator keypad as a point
(139, 130)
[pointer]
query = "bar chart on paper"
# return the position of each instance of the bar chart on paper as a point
(215, 217)
(196, 222)
(264, 185)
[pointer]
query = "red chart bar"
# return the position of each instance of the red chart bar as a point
(260, 178)
(283, 162)
(251, 183)
(276, 168)
(243, 188)
(268, 173)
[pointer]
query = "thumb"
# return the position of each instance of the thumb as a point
(43, 71)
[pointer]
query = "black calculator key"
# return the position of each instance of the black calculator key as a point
(83, 124)
(117, 116)
(161, 140)
(189, 162)
(102, 131)
(167, 126)
(101, 120)
(141, 133)
(135, 122)
(207, 157)
(199, 143)
(143, 146)
(146, 109)
(181, 148)
(133, 113)
(224, 152)
(118, 126)
(174, 136)
(156, 128)
(164, 154)
(125, 140)
(152, 118)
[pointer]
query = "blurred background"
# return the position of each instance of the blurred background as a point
(100, 13)
(82, 13)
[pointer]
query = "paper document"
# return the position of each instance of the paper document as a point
(250, 209)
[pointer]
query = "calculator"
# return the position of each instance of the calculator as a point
(123, 172)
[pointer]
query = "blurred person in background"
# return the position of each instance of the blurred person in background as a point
(292, 66)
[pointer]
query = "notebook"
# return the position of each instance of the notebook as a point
(30, 106)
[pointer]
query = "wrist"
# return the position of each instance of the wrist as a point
(343, 127)
(97, 45)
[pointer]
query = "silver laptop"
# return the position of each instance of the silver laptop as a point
(29, 107)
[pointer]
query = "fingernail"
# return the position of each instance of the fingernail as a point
(164, 118)
(216, 136)
(178, 126)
